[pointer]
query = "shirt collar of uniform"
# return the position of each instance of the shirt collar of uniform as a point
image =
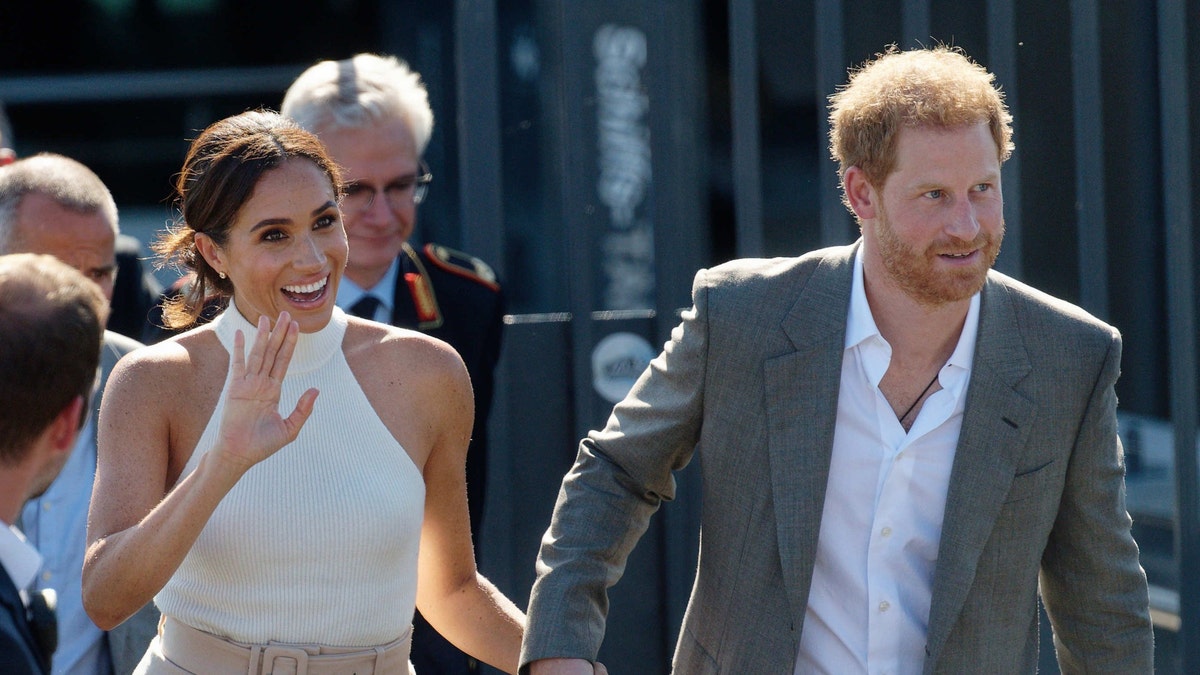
(19, 559)
(861, 327)
(385, 290)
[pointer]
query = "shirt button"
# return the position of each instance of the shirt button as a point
(886, 531)
(46, 575)
(884, 606)
(45, 505)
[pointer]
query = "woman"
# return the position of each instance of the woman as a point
(249, 527)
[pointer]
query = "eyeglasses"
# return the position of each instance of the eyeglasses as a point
(401, 192)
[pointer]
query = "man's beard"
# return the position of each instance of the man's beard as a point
(914, 271)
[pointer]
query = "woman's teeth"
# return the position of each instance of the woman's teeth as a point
(307, 288)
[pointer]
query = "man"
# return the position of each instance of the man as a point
(54, 205)
(373, 115)
(136, 290)
(898, 443)
(51, 321)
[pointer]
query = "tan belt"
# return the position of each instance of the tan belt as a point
(201, 652)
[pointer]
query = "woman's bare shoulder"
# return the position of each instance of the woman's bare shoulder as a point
(394, 347)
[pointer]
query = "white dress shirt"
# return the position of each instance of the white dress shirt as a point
(385, 291)
(19, 560)
(868, 607)
(56, 523)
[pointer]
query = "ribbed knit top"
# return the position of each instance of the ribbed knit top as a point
(317, 543)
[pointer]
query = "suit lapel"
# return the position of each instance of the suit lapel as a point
(995, 427)
(11, 603)
(801, 415)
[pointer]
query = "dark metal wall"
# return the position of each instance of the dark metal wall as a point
(598, 153)
(621, 157)
(1098, 201)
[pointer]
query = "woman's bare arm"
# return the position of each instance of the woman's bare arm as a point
(458, 601)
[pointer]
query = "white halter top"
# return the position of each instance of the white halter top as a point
(317, 543)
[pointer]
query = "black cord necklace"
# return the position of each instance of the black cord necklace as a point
(919, 397)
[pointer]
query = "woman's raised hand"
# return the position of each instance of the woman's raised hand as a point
(251, 427)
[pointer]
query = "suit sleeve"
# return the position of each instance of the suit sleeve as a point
(621, 475)
(1092, 584)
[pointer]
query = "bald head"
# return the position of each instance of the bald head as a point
(56, 206)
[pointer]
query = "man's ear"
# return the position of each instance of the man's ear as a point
(211, 252)
(860, 194)
(66, 424)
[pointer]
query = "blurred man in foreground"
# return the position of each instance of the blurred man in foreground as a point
(54, 205)
(51, 323)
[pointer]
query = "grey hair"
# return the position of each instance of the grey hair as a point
(64, 180)
(361, 91)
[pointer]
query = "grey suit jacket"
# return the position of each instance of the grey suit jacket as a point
(128, 641)
(749, 382)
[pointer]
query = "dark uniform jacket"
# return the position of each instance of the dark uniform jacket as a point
(455, 297)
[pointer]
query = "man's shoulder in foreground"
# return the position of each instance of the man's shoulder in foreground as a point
(741, 270)
(1036, 308)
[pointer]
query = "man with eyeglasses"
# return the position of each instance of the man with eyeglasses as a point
(372, 113)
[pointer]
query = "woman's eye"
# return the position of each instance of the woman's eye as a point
(273, 235)
(325, 222)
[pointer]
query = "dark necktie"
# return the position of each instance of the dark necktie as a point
(43, 622)
(365, 307)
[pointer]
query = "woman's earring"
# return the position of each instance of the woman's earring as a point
(221, 274)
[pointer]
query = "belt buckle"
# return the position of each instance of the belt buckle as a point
(276, 652)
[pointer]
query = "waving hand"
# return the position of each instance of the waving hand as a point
(251, 427)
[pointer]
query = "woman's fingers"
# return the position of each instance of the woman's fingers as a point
(288, 333)
(299, 416)
(239, 354)
(275, 341)
(271, 351)
(258, 349)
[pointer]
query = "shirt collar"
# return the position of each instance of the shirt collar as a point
(19, 559)
(385, 290)
(860, 323)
